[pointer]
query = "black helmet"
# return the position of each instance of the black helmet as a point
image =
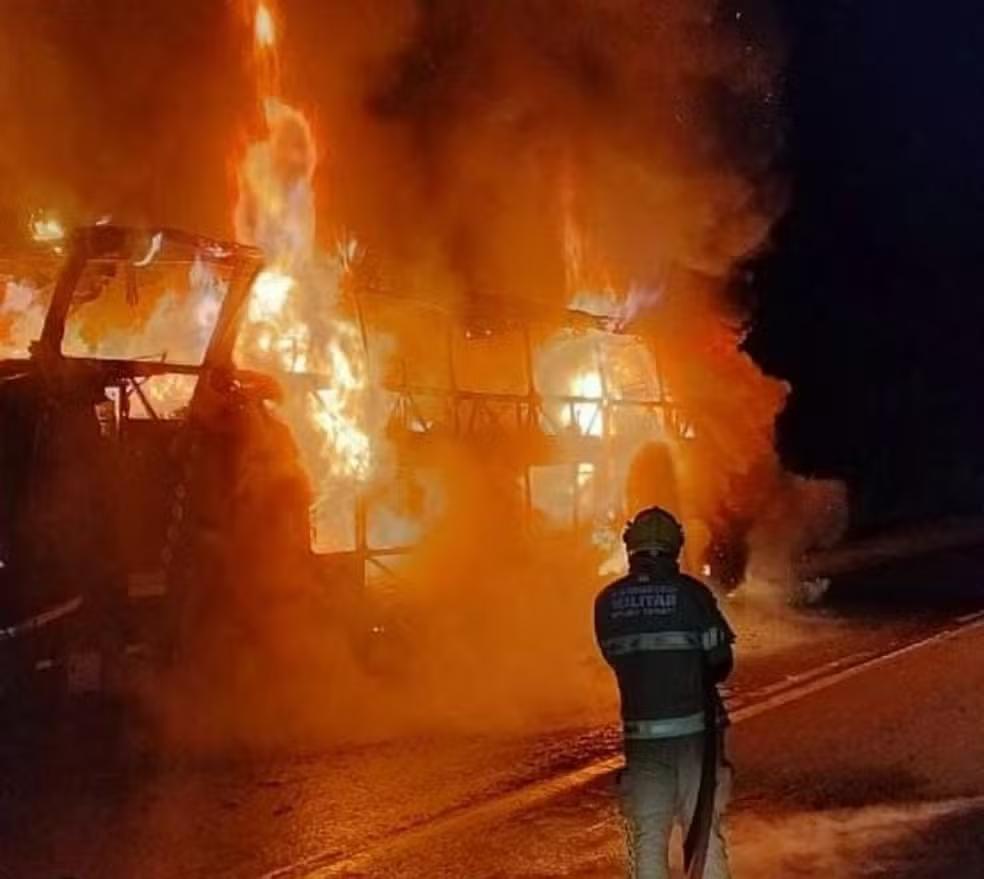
(654, 530)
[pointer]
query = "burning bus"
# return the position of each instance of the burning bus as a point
(194, 429)
(116, 366)
(158, 425)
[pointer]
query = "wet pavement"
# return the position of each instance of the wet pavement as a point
(459, 806)
(847, 782)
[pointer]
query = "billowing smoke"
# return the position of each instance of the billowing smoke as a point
(469, 144)
(500, 151)
(484, 154)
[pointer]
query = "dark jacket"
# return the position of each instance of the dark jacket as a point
(666, 640)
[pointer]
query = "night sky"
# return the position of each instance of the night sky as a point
(870, 297)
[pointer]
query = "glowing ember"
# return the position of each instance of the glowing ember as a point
(264, 28)
(152, 251)
(47, 229)
(587, 416)
(268, 297)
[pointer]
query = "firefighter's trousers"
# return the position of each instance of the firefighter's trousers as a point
(658, 788)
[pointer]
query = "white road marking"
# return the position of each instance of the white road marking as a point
(796, 687)
(791, 681)
(815, 686)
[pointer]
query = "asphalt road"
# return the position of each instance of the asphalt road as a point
(876, 770)
(896, 737)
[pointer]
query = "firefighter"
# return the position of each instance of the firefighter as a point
(669, 646)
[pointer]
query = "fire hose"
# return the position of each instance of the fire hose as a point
(698, 833)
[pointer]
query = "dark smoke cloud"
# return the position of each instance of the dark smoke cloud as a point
(462, 136)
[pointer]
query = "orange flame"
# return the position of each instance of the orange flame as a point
(276, 211)
(47, 229)
(265, 58)
(264, 27)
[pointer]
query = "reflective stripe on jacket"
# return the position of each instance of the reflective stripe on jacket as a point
(656, 627)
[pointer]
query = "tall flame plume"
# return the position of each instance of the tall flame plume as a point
(294, 324)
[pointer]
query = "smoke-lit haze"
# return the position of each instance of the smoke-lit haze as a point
(477, 150)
